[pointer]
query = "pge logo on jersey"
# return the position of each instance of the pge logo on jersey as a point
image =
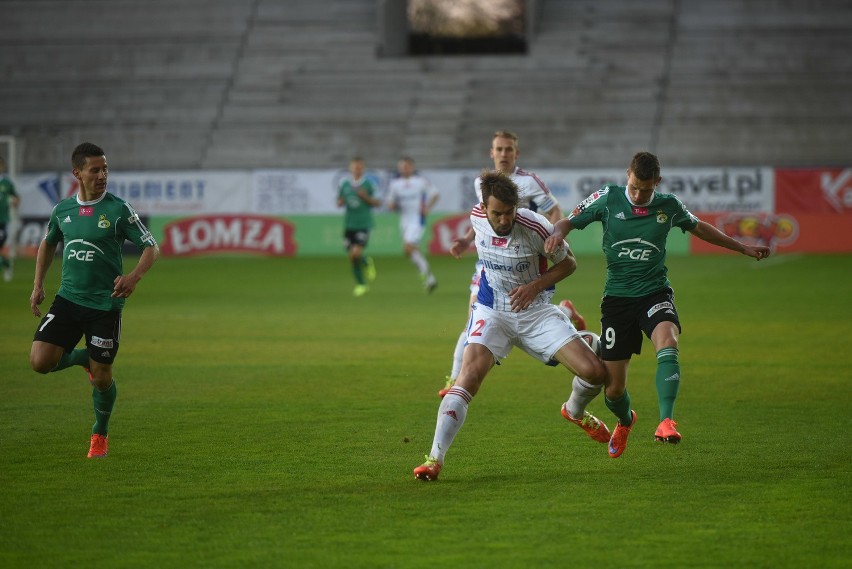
(81, 250)
(636, 249)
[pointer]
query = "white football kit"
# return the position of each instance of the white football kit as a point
(409, 195)
(508, 262)
(533, 194)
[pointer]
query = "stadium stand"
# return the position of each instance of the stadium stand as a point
(221, 84)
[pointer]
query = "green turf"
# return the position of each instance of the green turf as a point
(263, 414)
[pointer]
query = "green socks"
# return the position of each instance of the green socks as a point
(357, 269)
(103, 402)
(620, 408)
(668, 380)
(77, 357)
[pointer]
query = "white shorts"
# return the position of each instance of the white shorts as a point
(540, 330)
(411, 232)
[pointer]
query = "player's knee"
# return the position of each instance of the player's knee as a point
(593, 371)
(40, 364)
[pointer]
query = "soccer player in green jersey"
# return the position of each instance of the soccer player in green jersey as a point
(8, 199)
(358, 194)
(93, 226)
(637, 294)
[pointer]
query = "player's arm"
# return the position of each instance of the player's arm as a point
(434, 196)
(561, 229)
(712, 235)
(375, 202)
(367, 197)
(462, 244)
(522, 296)
(44, 258)
(126, 284)
(554, 215)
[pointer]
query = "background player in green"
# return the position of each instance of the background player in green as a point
(357, 193)
(8, 199)
(637, 293)
(93, 225)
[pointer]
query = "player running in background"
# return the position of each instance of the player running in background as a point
(513, 309)
(413, 196)
(9, 200)
(93, 226)
(357, 193)
(533, 194)
(637, 294)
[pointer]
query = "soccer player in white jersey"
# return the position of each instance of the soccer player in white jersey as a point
(532, 194)
(513, 308)
(413, 196)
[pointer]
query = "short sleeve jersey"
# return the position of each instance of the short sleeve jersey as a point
(634, 237)
(93, 234)
(7, 190)
(409, 195)
(514, 259)
(533, 193)
(359, 214)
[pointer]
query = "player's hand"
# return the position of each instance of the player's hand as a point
(552, 244)
(36, 298)
(458, 247)
(758, 253)
(124, 286)
(522, 296)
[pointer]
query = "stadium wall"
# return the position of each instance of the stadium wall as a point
(293, 212)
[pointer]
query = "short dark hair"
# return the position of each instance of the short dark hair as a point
(84, 151)
(645, 166)
(497, 184)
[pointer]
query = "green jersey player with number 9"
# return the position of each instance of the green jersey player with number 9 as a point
(93, 226)
(638, 297)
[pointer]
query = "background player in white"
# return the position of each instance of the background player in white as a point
(513, 309)
(413, 196)
(533, 194)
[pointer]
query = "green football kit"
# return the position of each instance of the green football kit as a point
(634, 240)
(359, 214)
(7, 191)
(637, 292)
(93, 235)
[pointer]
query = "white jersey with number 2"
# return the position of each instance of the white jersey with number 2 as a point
(514, 259)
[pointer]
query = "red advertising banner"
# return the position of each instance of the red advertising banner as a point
(812, 190)
(813, 214)
(229, 234)
(782, 232)
(447, 230)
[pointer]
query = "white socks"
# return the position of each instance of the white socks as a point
(582, 394)
(451, 416)
(458, 353)
(420, 262)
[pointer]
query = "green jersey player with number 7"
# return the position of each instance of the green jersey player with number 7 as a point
(637, 294)
(93, 225)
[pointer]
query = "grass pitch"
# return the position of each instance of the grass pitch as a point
(265, 418)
